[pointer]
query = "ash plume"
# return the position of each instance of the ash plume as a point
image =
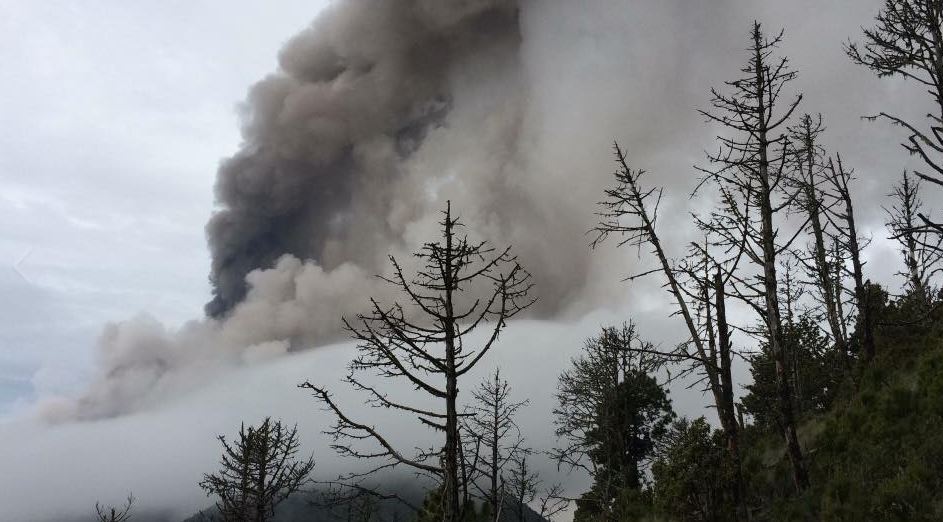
(322, 172)
(378, 113)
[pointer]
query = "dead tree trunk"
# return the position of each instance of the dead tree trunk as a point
(907, 42)
(839, 178)
(920, 248)
(460, 286)
(810, 172)
(728, 417)
(629, 200)
(451, 486)
(490, 421)
(750, 172)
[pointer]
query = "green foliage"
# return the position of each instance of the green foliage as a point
(872, 434)
(877, 453)
(631, 421)
(629, 504)
(690, 482)
(881, 456)
(814, 371)
(693, 475)
(614, 414)
(432, 509)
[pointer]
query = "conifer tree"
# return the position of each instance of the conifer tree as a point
(752, 174)
(461, 285)
(257, 472)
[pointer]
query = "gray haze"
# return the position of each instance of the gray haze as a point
(328, 166)
(348, 151)
(161, 452)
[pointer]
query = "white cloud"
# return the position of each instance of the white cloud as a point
(161, 451)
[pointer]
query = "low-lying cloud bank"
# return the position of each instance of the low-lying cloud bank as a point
(289, 305)
(161, 451)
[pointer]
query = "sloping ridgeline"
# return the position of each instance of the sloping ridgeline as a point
(876, 452)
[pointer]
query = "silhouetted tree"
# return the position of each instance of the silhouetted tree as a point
(630, 211)
(708, 291)
(460, 286)
(524, 487)
(810, 174)
(920, 249)
(752, 172)
(115, 513)
(257, 472)
(907, 41)
(493, 439)
(846, 233)
(522, 483)
(551, 502)
(610, 415)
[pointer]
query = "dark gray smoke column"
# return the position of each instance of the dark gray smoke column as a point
(324, 138)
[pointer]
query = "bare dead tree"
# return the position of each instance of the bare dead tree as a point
(257, 472)
(810, 173)
(551, 502)
(525, 487)
(278, 473)
(710, 301)
(522, 486)
(921, 249)
(792, 292)
(752, 173)
(490, 426)
(907, 41)
(115, 513)
(630, 212)
(460, 286)
(732, 426)
(846, 231)
(837, 263)
(232, 484)
(706, 289)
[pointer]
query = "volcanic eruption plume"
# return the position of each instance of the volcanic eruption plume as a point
(323, 171)
(378, 113)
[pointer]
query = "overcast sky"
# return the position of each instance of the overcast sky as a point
(116, 114)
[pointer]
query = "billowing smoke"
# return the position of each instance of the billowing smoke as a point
(293, 304)
(379, 112)
(324, 171)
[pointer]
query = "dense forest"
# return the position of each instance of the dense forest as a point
(841, 421)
